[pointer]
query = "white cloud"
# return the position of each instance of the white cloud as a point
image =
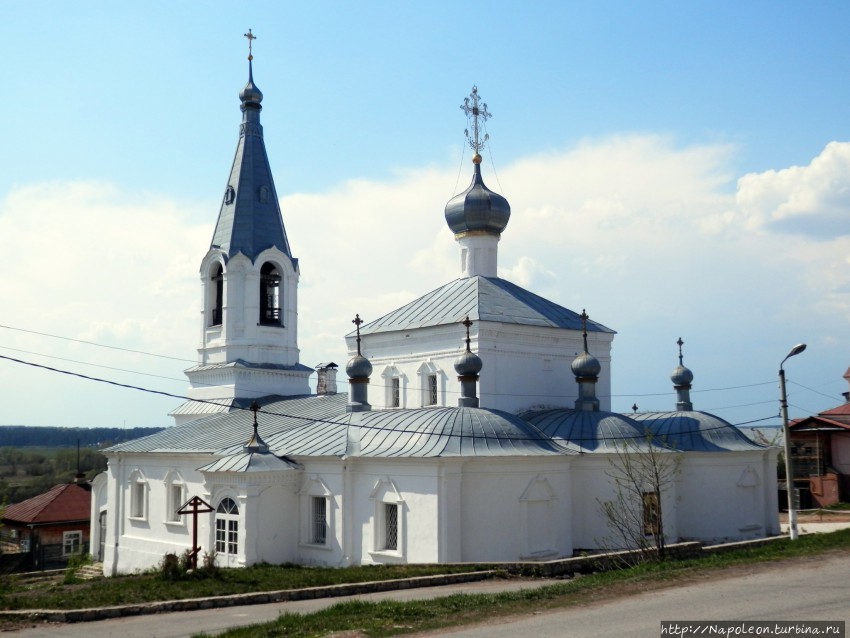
(649, 236)
(810, 200)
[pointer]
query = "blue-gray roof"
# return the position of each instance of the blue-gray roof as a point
(696, 432)
(249, 220)
(320, 426)
(481, 299)
(589, 431)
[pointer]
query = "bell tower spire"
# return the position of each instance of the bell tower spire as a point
(249, 331)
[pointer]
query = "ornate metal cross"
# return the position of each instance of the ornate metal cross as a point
(251, 37)
(477, 116)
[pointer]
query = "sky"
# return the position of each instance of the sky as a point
(677, 169)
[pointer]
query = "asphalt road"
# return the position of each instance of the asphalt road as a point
(813, 589)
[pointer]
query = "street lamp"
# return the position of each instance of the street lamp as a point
(789, 476)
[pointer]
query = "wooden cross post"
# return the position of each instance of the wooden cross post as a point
(194, 506)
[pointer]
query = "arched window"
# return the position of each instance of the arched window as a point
(217, 278)
(269, 295)
(227, 527)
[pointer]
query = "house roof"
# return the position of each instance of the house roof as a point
(481, 299)
(813, 423)
(65, 502)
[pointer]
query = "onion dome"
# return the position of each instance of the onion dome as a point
(586, 366)
(358, 367)
(681, 376)
(468, 364)
(478, 209)
(251, 94)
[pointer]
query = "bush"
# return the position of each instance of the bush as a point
(170, 568)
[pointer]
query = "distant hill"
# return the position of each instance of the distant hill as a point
(29, 436)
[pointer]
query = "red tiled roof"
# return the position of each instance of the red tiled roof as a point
(65, 502)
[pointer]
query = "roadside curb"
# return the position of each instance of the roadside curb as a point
(235, 600)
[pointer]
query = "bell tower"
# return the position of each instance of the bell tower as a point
(249, 279)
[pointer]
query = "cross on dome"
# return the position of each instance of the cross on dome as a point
(467, 322)
(680, 343)
(251, 37)
(357, 321)
(477, 116)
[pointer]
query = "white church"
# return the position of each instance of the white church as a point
(476, 426)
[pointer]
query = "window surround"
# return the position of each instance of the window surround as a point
(393, 384)
(313, 490)
(385, 496)
(271, 295)
(138, 496)
(537, 506)
(175, 497)
(226, 527)
(430, 377)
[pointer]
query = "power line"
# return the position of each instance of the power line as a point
(309, 420)
(97, 345)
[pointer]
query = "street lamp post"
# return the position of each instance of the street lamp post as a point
(789, 476)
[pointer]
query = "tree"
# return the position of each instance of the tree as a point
(642, 471)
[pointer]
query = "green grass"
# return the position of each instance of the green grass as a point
(150, 587)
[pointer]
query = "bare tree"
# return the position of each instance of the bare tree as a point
(642, 471)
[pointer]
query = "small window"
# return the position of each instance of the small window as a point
(651, 513)
(229, 195)
(319, 529)
(395, 392)
(431, 398)
(217, 278)
(137, 499)
(390, 527)
(227, 527)
(72, 543)
(175, 501)
(269, 295)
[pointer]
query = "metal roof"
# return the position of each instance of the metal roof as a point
(249, 462)
(249, 220)
(689, 431)
(481, 299)
(589, 430)
(447, 432)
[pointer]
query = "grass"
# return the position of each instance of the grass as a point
(150, 587)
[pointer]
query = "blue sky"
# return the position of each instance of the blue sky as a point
(679, 169)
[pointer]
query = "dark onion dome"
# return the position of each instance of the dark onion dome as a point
(468, 364)
(586, 366)
(251, 94)
(681, 376)
(358, 367)
(478, 209)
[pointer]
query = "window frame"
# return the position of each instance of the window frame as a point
(226, 527)
(66, 538)
(138, 506)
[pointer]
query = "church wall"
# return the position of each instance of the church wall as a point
(725, 496)
(524, 366)
(142, 541)
(592, 486)
(516, 509)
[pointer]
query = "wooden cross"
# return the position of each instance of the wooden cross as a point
(194, 506)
